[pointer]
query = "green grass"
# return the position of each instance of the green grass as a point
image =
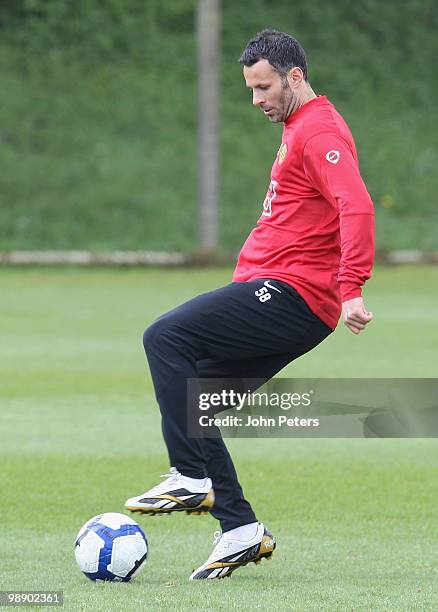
(355, 519)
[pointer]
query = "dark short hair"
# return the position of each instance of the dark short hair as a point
(281, 50)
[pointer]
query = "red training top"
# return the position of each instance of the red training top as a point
(316, 230)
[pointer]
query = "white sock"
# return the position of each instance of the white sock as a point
(195, 482)
(243, 533)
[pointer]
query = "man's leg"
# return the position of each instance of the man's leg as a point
(238, 324)
(244, 539)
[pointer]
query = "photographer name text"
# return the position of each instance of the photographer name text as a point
(256, 421)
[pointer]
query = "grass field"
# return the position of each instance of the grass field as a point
(355, 520)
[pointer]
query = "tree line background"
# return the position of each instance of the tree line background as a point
(98, 117)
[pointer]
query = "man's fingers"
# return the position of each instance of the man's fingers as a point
(361, 314)
(358, 318)
(352, 328)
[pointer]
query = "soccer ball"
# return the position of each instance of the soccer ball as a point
(111, 546)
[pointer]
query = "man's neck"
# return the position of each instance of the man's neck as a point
(306, 95)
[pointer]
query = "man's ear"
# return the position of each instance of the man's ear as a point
(295, 77)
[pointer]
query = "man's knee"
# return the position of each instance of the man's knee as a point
(156, 332)
(151, 335)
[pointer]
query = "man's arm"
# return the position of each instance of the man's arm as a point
(333, 170)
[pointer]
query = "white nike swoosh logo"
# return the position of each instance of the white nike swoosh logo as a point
(268, 284)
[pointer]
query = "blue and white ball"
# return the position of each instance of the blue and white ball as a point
(111, 546)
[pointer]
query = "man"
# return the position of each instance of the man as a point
(311, 250)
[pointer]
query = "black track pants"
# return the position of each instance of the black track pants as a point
(233, 332)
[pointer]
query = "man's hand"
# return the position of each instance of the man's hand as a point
(355, 316)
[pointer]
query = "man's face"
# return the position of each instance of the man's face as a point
(270, 92)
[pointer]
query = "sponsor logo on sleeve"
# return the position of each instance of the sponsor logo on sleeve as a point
(333, 156)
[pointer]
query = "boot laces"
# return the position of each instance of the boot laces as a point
(171, 477)
(220, 543)
(173, 474)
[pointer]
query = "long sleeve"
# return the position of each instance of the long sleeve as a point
(332, 168)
